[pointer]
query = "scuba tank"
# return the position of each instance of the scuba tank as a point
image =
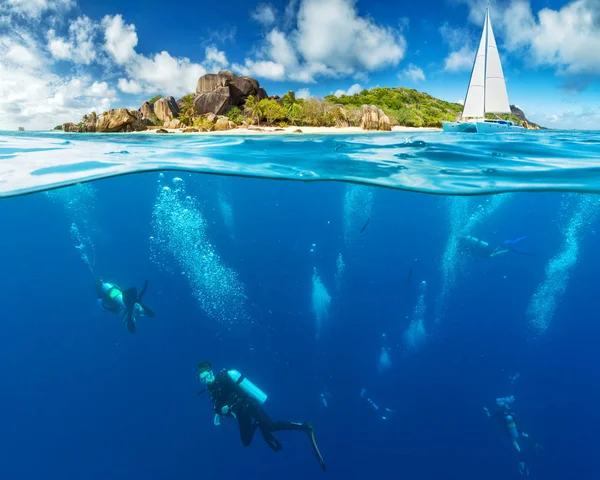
(512, 427)
(114, 293)
(247, 386)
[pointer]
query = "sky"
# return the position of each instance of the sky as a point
(60, 59)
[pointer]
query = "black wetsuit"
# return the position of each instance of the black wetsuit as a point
(250, 414)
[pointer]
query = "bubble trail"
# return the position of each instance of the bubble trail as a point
(543, 303)
(416, 335)
(79, 202)
(339, 270)
(358, 204)
(320, 302)
(180, 232)
(461, 224)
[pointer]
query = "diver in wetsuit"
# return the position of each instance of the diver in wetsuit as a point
(504, 415)
(483, 249)
(114, 299)
(234, 396)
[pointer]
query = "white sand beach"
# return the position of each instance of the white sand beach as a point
(293, 129)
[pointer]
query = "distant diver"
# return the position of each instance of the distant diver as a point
(504, 415)
(114, 299)
(365, 225)
(484, 249)
(382, 412)
(234, 396)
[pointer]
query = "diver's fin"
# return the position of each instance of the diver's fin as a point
(147, 310)
(310, 431)
(129, 300)
(141, 295)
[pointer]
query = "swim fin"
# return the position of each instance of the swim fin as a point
(129, 299)
(143, 291)
(147, 310)
(310, 431)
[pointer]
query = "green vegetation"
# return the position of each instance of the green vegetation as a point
(252, 108)
(505, 116)
(155, 98)
(187, 110)
(235, 115)
(404, 106)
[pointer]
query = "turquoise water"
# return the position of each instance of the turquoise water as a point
(431, 162)
(364, 310)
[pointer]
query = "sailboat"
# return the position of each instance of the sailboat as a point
(486, 92)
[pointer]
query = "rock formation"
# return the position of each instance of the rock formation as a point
(147, 109)
(166, 109)
(175, 123)
(517, 112)
(373, 118)
(115, 120)
(215, 93)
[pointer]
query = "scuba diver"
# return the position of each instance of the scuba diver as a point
(234, 396)
(114, 299)
(484, 249)
(504, 415)
(382, 412)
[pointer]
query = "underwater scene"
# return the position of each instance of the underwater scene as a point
(415, 306)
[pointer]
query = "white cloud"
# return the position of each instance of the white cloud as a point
(264, 69)
(265, 14)
(158, 73)
(32, 96)
(120, 39)
(462, 54)
(460, 60)
(35, 8)
(303, 93)
(129, 86)
(413, 73)
(580, 119)
(215, 59)
(353, 90)
(567, 39)
(331, 32)
(330, 39)
(79, 47)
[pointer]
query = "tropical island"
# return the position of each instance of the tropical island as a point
(226, 101)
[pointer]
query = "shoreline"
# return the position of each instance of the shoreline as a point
(292, 130)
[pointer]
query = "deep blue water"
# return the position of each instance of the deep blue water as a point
(83, 398)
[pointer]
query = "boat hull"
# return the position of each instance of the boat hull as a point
(495, 127)
(482, 127)
(459, 127)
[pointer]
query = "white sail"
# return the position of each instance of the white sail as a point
(475, 99)
(496, 98)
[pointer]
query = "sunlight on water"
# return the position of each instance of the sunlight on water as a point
(431, 162)
(584, 210)
(79, 202)
(320, 302)
(416, 335)
(358, 203)
(180, 232)
(462, 223)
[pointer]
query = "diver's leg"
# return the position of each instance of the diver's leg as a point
(516, 445)
(247, 427)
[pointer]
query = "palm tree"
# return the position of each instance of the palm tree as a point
(187, 110)
(253, 108)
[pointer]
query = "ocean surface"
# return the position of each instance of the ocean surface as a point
(332, 294)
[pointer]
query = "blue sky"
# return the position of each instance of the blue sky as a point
(62, 58)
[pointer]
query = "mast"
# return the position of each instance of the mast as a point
(487, 21)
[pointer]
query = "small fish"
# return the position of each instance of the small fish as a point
(365, 225)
